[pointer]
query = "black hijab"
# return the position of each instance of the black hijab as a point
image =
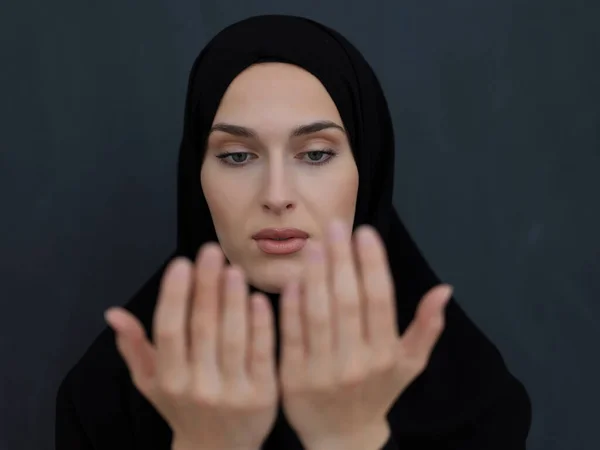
(466, 398)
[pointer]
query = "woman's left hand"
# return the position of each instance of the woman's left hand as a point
(343, 363)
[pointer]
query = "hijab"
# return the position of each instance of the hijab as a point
(466, 374)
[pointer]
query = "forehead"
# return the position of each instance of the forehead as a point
(267, 91)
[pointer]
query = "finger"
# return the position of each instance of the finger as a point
(378, 288)
(133, 345)
(348, 333)
(423, 332)
(205, 308)
(292, 348)
(262, 358)
(170, 322)
(317, 304)
(234, 328)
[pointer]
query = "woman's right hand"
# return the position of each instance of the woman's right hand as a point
(211, 371)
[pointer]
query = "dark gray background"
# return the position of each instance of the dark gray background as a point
(496, 110)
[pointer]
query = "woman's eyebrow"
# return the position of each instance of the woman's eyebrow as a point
(235, 130)
(315, 127)
(301, 130)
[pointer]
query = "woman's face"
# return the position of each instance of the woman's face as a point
(277, 157)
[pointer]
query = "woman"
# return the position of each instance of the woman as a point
(287, 147)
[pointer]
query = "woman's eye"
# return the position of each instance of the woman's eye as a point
(319, 156)
(239, 157)
(234, 158)
(315, 155)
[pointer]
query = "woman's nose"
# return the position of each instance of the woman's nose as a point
(278, 193)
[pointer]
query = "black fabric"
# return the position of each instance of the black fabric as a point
(465, 399)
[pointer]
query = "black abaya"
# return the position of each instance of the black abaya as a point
(465, 399)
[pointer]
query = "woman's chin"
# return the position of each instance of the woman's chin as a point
(273, 277)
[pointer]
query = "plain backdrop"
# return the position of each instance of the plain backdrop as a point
(496, 106)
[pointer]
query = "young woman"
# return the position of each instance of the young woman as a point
(296, 311)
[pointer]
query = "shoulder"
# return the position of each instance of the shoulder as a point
(505, 420)
(467, 396)
(97, 398)
(93, 394)
(100, 366)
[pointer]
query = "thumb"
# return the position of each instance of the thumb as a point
(423, 332)
(138, 353)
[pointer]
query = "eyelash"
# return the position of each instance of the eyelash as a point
(327, 151)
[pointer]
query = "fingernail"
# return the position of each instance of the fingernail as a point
(450, 290)
(234, 276)
(366, 237)
(108, 316)
(293, 289)
(210, 255)
(337, 230)
(448, 296)
(179, 268)
(316, 252)
(258, 303)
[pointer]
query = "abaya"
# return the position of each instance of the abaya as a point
(466, 398)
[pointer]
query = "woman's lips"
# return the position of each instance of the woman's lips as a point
(281, 247)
